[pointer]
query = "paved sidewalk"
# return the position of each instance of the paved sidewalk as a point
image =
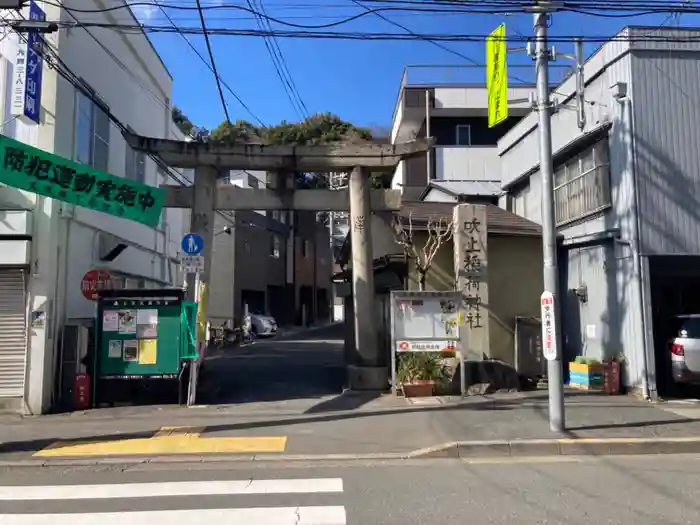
(353, 425)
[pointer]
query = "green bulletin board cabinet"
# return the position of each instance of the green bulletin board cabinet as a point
(143, 335)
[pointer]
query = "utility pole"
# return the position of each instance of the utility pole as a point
(549, 232)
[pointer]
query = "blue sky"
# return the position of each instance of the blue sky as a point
(357, 80)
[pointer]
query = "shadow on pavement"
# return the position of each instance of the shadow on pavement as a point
(273, 371)
(345, 401)
(341, 407)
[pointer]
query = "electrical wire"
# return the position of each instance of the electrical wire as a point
(206, 63)
(285, 64)
(436, 44)
(213, 62)
(78, 83)
(278, 62)
(689, 37)
(611, 10)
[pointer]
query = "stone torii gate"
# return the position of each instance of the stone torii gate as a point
(205, 197)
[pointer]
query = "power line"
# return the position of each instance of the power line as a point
(611, 10)
(436, 44)
(66, 73)
(284, 63)
(273, 50)
(355, 35)
(213, 62)
(206, 63)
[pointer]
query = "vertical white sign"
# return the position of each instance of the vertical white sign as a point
(19, 80)
(549, 330)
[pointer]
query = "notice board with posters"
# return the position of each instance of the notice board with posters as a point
(142, 334)
(426, 321)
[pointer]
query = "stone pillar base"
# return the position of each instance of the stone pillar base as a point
(367, 377)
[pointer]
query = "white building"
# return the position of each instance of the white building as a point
(444, 102)
(626, 199)
(46, 246)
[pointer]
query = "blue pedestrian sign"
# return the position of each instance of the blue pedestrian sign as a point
(192, 244)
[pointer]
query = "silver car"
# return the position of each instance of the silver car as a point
(685, 349)
(263, 325)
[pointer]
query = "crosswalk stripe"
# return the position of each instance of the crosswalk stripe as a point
(330, 515)
(178, 488)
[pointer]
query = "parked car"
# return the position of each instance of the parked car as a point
(263, 325)
(685, 349)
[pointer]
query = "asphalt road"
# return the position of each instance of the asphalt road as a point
(623, 490)
(280, 368)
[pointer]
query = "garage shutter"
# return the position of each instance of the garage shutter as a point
(13, 332)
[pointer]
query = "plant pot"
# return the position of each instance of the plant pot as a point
(422, 388)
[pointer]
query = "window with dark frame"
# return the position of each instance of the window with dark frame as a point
(463, 134)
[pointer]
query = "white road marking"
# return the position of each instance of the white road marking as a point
(184, 488)
(331, 515)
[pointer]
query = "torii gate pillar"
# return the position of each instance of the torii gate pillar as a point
(366, 371)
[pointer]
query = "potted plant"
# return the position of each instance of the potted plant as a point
(418, 373)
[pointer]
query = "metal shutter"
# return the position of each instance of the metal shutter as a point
(13, 332)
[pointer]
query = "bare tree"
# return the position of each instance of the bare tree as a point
(438, 232)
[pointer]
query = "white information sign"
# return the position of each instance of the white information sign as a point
(192, 263)
(426, 318)
(549, 330)
(426, 346)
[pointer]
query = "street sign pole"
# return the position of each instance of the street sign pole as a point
(198, 244)
(193, 263)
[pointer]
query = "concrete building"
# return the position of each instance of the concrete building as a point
(626, 198)
(250, 261)
(313, 266)
(276, 262)
(455, 113)
(46, 246)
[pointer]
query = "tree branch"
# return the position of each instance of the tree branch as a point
(439, 231)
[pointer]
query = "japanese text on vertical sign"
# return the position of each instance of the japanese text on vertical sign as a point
(549, 335)
(37, 171)
(472, 270)
(26, 93)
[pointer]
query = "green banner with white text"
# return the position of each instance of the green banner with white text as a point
(37, 171)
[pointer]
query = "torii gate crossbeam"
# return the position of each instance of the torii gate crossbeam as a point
(366, 372)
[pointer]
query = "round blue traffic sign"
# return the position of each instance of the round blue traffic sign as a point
(192, 244)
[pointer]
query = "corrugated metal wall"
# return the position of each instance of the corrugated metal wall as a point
(667, 113)
(13, 332)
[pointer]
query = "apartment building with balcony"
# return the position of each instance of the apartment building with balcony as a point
(450, 103)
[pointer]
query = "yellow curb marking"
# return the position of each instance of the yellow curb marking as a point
(168, 440)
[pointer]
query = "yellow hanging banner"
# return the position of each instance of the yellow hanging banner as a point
(497, 75)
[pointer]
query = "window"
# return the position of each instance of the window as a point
(275, 246)
(91, 133)
(464, 135)
(135, 164)
(582, 184)
(246, 246)
(283, 217)
(276, 215)
(305, 248)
